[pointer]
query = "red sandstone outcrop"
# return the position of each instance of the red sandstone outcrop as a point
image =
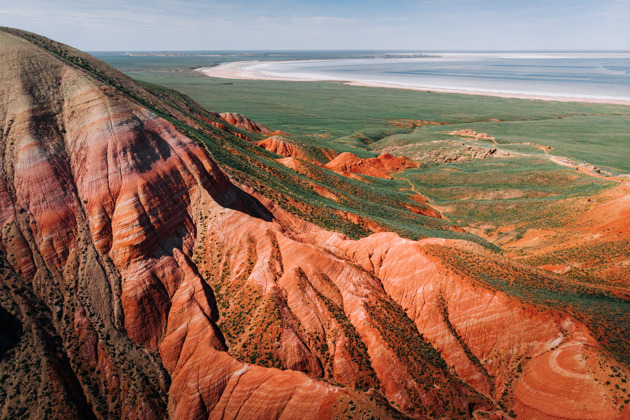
(447, 313)
(283, 147)
(410, 124)
(302, 292)
(379, 167)
(244, 123)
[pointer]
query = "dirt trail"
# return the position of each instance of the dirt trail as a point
(581, 169)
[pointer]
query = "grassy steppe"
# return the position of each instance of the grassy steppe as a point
(603, 140)
(528, 191)
(359, 118)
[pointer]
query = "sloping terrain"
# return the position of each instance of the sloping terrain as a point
(242, 122)
(548, 211)
(381, 166)
(155, 264)
(290, 149)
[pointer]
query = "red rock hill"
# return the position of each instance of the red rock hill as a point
(381, 166)
(139, 281)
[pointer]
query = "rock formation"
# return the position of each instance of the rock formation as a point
(447, 151)
(471, 135)
(99, 209)
(244, 123)
(381, 166)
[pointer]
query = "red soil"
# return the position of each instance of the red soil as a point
(379, 167)
(281, 146)
(244, 123)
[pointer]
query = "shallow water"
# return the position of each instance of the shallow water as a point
(587, 75)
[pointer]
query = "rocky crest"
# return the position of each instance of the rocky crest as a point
(284, 147)
(381, 166)
(244, 123)
(453, 152)
(471, 135)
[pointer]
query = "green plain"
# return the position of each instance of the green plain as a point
(357, 118)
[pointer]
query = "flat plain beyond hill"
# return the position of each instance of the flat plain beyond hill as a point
(597, 77)
(591, 132)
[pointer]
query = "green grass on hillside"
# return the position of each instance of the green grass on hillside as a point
(527, 191)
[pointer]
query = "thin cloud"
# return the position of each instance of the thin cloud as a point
(326, 24)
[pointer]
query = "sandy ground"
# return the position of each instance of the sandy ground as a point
(243, 70)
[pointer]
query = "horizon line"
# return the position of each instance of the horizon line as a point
(368, 50)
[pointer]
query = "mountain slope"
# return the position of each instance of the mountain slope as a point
(149, 280)
(98, 212)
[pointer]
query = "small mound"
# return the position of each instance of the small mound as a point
(244, 123)
(411, 124)
(283, 147)
(556, 268)
(471, 135)
(290, 163)
(559, 384)
(380, 167)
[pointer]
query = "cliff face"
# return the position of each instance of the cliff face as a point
(142, 282)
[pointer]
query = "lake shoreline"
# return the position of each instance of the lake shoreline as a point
(243, 70)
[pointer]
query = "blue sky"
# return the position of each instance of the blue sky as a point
(115, 25)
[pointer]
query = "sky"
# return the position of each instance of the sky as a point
(419, 25)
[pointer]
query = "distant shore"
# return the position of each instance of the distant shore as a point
(245, 70)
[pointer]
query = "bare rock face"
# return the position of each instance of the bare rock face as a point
(471, 135)
(292, 150)
(281, 146)
(244, 123)
(101, 197)
(164, 289)
(379, 167)
(499, 346)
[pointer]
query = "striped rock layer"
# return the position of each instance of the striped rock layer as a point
(141, 282)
